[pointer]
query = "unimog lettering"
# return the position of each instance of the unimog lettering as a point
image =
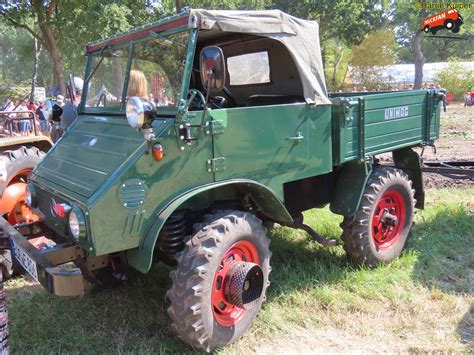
(396, 112)
(210, 156)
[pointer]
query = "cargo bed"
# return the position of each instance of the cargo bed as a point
(365, 124)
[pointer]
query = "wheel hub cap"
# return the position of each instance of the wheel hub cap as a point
(388, 219)
(244, 285)
(238, 283)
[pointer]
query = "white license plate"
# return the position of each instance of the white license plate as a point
(25, 260)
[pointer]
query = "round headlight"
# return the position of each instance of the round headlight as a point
(135, 112)
(77, 224)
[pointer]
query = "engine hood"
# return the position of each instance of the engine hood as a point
(89, 153)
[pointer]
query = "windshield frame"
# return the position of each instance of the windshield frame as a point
(188, 62)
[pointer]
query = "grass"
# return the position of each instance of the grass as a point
(318, 299)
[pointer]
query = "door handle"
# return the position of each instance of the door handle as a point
(298, 138)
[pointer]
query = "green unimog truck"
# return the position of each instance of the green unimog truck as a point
(193, 133)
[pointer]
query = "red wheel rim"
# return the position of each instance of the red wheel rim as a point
(388, 219)
(225, 313)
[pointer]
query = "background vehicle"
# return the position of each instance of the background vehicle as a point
(18, 157)
(245, 133)
(450, 19)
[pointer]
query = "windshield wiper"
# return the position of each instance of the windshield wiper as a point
(98, 64)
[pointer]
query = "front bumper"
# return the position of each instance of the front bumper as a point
(43, 266)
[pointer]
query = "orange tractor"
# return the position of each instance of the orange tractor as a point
(19, 154)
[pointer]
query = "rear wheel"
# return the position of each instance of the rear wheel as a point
(220, 280)
(379, 230)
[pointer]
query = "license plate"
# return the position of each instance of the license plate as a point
(25, 260)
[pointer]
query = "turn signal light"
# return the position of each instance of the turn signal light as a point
(158, 152)
(60, 209)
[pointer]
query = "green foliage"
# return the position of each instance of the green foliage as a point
(407, 19)
(336, 63)
(368, 58)
(349, 21)
(456, 79)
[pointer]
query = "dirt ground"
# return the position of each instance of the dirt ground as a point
(455, 143)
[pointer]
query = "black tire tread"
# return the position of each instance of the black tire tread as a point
(192, 271)
(355, 228)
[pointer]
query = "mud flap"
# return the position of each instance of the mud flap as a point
(350, 186)
(409, 161)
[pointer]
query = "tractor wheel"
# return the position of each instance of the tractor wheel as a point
(220, 280)
(378, 231)
(18, 165)
(426, 29)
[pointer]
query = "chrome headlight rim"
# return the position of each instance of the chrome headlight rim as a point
(30, 195)
(77, 223)
(135, 112)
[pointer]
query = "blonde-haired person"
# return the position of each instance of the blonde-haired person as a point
(137, 85)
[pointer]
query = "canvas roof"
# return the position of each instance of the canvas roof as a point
(300, 37)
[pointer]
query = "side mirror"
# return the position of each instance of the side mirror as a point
(212, 65)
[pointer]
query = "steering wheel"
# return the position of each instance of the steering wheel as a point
(104, 96)
(191, 99)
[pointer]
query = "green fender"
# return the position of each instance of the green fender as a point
(266, 200)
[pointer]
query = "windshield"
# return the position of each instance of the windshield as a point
(156, 73)
(157, 69)
(107, 76)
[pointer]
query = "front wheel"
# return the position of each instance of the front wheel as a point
(379, 229)
(220, 280)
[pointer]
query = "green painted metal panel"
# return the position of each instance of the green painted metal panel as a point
(392, 120)
(89, 152)
(141, 258)
(285, 142)
(117, 227)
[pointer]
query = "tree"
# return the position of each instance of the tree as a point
(35, 70)
(456, 79)
(20, 14)
(337, 55)
(349, 21)
(408, 20)
(368, 58)
(63, 27)
(16, 53)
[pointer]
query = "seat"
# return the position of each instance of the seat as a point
(266, 100)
